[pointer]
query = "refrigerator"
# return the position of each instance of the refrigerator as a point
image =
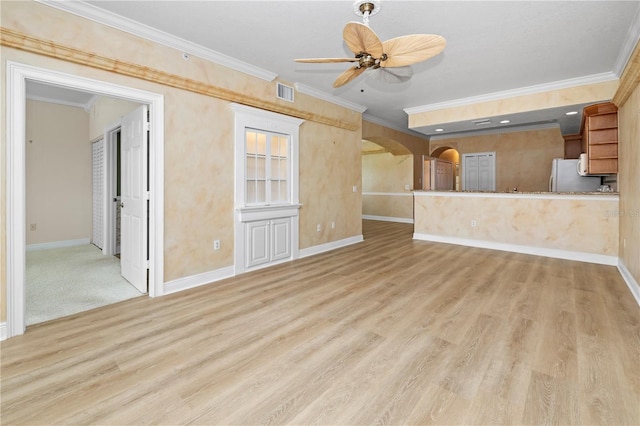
(565, 178)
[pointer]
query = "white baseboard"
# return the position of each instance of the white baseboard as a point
(631, 282)
(58, 244)
(197, 280)
(388, 218)
(536, 251)
(3, 331)
(193, 281)
(310, 251)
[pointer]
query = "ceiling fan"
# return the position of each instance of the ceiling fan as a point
(392, 56)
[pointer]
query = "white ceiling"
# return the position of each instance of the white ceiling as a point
(494, 48)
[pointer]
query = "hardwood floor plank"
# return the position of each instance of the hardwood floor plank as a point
(389, 331)
(551, 400)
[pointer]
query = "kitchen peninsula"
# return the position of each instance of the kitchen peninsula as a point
(575, 226)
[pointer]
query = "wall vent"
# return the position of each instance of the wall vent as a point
(284, 92)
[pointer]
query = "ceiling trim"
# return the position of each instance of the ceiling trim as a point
(522, 91)
(101, 16)
(495, 131)
(308, 90)
(630, 42)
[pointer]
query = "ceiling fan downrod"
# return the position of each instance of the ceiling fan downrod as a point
(366, 9)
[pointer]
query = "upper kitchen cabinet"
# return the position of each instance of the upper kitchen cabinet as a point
(572, 146)
(600, 138)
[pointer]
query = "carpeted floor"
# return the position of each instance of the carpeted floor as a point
(65, 281)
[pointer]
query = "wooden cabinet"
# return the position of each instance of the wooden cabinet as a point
(572, 146)
(600, 138)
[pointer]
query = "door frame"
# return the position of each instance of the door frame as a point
(16, 78)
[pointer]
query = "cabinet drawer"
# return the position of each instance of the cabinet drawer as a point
(603, 166)
(605, 150)
(603, 136)
(604, 121)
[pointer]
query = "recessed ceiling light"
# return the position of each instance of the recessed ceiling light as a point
(505, 121)
(571, 113)
(439, 130)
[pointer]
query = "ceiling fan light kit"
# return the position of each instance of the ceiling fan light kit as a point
(371, 53)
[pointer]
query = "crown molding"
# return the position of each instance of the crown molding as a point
(93, 13)
(630, 42)
(27, 43)
(522, 91)
(308, 90)
(494, 131)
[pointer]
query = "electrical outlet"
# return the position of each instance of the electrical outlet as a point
(333, 225)
(216, 244)
(319, 228)
(33, 227)
(407, 187)
(355, 188)
(473, 223)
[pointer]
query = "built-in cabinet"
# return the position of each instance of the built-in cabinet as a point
(572, 146)
(267, 241)
(266, 188)
(600, 138)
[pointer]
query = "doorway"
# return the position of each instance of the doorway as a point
(151, 191)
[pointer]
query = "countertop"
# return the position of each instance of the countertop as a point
(520, 194)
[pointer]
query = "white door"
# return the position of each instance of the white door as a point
(470, 172)
(133, 203)
(486, 172)
(479, 171)
(281, 238)
(257, 242)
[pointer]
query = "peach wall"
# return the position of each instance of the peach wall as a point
(106, 111)
(410, 144)
(384, 177)
(386, 172)
(330, 166)
(629, 183)
(587, 224)
(199, 142)
(393, 207)
(523, 159)
(58, 173)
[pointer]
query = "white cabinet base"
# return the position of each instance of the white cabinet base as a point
(266, 236)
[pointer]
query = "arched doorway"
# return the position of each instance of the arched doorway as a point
(452, 155)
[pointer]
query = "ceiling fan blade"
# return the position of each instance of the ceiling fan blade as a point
(391, 75)
(361, 38)
(347, 76)
(321, 60)
(409, 49)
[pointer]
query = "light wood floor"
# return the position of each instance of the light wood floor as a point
(390, 331)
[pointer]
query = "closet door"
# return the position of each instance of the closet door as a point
(98, 194)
